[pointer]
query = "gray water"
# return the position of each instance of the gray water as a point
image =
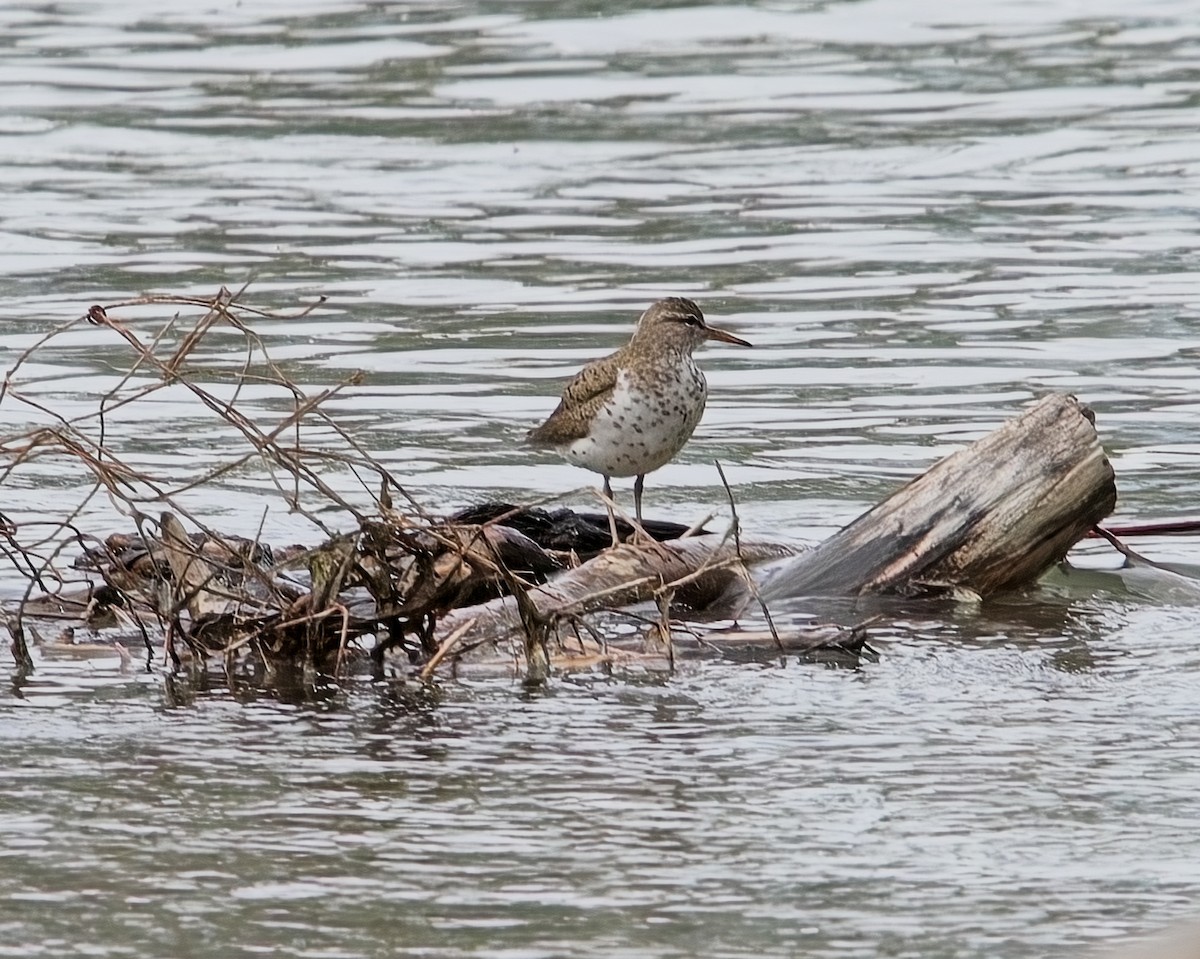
(924, 215)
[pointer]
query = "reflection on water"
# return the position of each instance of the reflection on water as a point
(921, 217)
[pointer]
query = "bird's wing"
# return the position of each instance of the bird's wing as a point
(597, 379)
(589, 390)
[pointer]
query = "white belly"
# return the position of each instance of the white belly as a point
(639, 431)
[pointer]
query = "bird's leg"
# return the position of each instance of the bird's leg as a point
(639, 533)
(612, 516)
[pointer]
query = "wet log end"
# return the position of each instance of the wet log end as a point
(990, 517)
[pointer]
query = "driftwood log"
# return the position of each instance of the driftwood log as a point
(990, 517)
(693, 571)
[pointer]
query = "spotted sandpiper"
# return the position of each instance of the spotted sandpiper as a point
(631, 412)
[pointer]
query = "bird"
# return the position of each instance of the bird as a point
(632, 411)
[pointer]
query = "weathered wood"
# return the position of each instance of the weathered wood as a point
(579, 651)
(989, 517)
(619, 577)
(192, 573)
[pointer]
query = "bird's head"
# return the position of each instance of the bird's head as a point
(677, 321)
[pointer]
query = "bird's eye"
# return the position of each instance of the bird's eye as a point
(691, 319)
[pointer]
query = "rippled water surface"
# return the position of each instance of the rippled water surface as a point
(923, 215)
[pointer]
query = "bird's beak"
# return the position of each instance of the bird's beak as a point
(714, 334)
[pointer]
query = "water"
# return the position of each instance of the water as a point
(922, 217)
